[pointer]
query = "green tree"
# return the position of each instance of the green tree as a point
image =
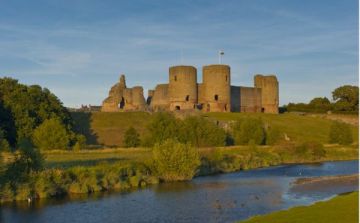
(80, 143)
(29, 159)
(23, 108)
(340, 133)
(346, 98)
(249, 129)
(273, 135)
(163, 126)
(320, 104)
(131, 138)
(174, 161)
(51, 134)
(4, 144)
(201, 132)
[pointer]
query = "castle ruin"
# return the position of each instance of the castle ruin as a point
(183, 92)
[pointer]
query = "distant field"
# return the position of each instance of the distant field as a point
(343, 208)
(108, 128)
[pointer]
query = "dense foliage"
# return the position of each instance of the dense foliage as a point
(51, 134)
(345, 99)
(131, 138)
(340, 133)
(23, 108)
(249, 130)
(175, 161)
(197, 131)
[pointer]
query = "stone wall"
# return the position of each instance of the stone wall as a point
(270, 92)
(250, 99)
(160, 99)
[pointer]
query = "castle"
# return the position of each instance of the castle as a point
(183, 92)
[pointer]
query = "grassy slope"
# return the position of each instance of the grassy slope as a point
(108, 128)
(343, 208)
(298, 128)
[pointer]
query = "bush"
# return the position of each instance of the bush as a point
(273, 135)
(174, 161)
(201, 132)
(249, 129)
(314, 150)
(164, 126)
(131, 138)
(80, 143)
(51, 134)
(28, 160)
(340, 133)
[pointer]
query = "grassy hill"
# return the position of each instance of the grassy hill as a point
(343, 208)
(108, 128)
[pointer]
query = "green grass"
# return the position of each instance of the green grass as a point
(108, 128)
(343, 208)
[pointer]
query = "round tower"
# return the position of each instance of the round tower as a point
(270, 92)
(182, 87)
(216, 86)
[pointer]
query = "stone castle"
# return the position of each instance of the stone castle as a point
(183, 92)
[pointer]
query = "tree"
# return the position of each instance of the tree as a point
(131, 138)
(346, 98)
(320, 104)
(340, 133)
(248, 130)
(80, 143)
(51, 134)
(4, 144)
(174, 161)
(163, 126)
(201, 132)
(23, 108)
(28, 159)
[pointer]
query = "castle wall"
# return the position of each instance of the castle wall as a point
(112, 102)
(216, 86)
(160, 100)
(182, 87)
(250, 99)
(235, 99)
(270, 92)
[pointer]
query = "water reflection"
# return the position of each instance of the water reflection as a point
(221, 198)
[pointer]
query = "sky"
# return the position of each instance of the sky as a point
(79, 48)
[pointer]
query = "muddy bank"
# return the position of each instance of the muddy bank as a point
(325, 183)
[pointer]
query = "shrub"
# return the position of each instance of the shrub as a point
(340, 133)
(314, 150)
(163, 126)
(28, 160)
(174, 161)
(247, 129)
(201, 132)
(273, 135)
(80, 143)
(131, 138)
(51, 134)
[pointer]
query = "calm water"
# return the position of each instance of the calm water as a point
(220, 198)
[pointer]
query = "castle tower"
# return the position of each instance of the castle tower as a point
(216, 87)
(182, 87)
(270, 92)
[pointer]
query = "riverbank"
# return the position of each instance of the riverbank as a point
(343, 208)
(70, 172)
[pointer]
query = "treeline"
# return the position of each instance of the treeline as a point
(35, 114)
(345, 100)
(202, 132)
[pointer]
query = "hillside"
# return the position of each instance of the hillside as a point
(108, 128)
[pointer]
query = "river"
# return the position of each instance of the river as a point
(218, 198)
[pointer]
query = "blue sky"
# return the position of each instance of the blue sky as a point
(79, 48)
